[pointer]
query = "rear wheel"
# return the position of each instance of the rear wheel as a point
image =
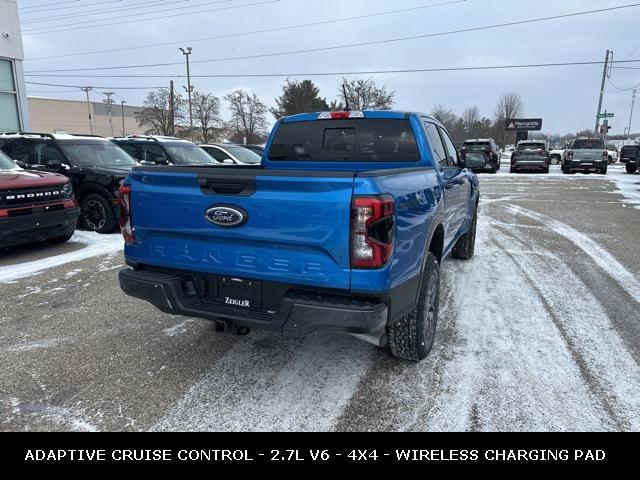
(631, 167)
(97, 214)
(466, 244)
(411, 336)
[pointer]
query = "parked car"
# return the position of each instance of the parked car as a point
(259, 149)
(95, 166)
(530, 155)
(556, 155)
(156, 150)
(231, 154)
(342, 228)
(486, 145)
(34, 206)
(630, 156)
(612, 150)
(587, 155)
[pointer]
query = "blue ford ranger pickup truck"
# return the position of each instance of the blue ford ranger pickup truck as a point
(342, 228)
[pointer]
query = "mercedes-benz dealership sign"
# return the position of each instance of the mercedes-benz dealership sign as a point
(523, 124)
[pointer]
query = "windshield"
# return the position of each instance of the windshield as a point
(189, 155)
(368, 140)
(6, 163)
(588, 144)
(243, 154)
(97, 154)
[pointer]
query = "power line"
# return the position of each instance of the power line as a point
(135, 6)
(49, 4)
(254, 32)
(351, 45)
(100, 87)
(622, 89)
(42, 30)
(361, 72)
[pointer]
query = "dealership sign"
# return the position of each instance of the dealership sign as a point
(523, 124)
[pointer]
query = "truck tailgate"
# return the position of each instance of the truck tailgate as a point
(296, 228)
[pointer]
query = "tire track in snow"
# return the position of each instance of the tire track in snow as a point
(511, 370)
(273, 383)
(601, 257)
(605, 363)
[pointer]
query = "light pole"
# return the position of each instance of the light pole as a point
(124, 134)
(87, 90)
(189, 88)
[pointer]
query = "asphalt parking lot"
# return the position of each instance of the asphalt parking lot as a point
(540, 331)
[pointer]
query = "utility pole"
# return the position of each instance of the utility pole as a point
(604, 78)
(189, 89)
(109, 106)
(87, 90)
(633, 102)
(124, 134)
(172, 113)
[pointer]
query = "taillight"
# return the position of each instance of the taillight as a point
(124, 200)
(340, 115)
(372, 231)
(570, 155)
(605, 155)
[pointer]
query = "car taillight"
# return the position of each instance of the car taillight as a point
(372, 231)
(340, 115)
(124, 200)
(605, 155)
(570, 155)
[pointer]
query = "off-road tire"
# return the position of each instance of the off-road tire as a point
(94, 203)
(466, 244)
(410, 337)
(631, 168)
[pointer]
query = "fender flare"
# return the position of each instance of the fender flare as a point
(88, 188)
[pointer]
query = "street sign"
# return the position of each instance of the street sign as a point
(605, 115)
(524, 124)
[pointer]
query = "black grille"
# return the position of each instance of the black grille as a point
(31, 196)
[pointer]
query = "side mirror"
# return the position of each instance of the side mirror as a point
(474, 160)
(53, 164)
(146, 162)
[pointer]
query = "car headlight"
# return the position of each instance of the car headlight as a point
(67, 190)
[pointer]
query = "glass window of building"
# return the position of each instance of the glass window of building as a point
(9, 120)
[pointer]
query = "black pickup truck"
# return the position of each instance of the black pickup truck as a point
(630, 156)
(95, 165)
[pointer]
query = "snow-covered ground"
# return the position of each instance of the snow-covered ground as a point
(93, 245)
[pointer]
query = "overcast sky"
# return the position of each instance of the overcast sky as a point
(565, 97)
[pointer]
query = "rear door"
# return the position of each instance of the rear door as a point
(456, 184)
(294, 227)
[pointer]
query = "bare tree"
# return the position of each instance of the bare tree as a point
(444, 115)
(155, 114)
(206, 112)
(509, 105)
(470, 119)
(248, 117)
(365, 95)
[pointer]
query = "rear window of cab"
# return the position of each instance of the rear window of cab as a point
(345, 140)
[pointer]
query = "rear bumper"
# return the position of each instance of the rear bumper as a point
(37, 227)
(299, 314)
(531, 165)
(585, 164)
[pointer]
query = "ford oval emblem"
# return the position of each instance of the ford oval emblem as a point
(226, 216)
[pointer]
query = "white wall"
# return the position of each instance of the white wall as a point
(11, 49)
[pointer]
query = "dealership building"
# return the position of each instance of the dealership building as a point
(14, 110)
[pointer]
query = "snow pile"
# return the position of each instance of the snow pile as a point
(95, 246)
(629, 186)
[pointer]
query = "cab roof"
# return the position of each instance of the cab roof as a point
(390, 114)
